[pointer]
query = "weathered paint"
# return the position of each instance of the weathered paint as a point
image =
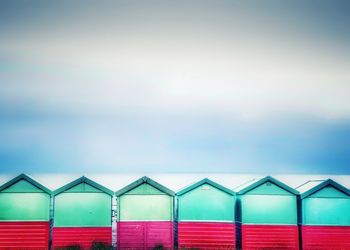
(329, 192)
(82, 203)
(155, 207)
(156, 202)
(326, 217)
(206, 215)
(24, 206)
(145, 189)
(269, 215)
(326, 237)
(83, 185)
(263, 186)
(328, 206)
(326, 211)
(24, 214)
(268, 188)
(270, 237)
(145, 218)
(206, 203)
(23, 186)
(268, 201)
(24, 235)
(145, 235)
(82, 214)
(269, 209)
(82, 236)
(82, 209)
(206, 235)
(22, 201)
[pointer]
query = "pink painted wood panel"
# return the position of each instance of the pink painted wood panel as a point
(326, 237)
(270, 237)
(145, 235)
(24, 235)
(82, 236)
(206, 235)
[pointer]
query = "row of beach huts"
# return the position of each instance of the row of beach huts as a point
(261, 214)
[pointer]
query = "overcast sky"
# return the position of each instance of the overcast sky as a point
(175, 86)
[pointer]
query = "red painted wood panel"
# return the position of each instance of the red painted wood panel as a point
(145, 235)
(326, 237)
(270, 237)
(82, 236)
(206, 235)
(24, 235)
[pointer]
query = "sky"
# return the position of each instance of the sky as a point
(165, 86)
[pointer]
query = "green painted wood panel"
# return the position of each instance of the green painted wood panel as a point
(329, 192)
(82, 209)
(24, 206)
(269, 209)
(269, 188)
(83, 188)
(22, 186)
(206, 203)
(143, 207)
(326, 211)
(145, 189)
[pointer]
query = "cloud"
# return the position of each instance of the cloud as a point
(173, 144)
(158, 83)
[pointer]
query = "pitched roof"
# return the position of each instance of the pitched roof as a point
(268, 179)
(308, 185)
(324, 184)
(28, 179)
(244, 185)
(141, 181)
(86, 180)
(205, 181)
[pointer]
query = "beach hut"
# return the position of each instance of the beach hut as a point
(268, 215)
(145, 216)
(325, 216)
(82, 215)
(24, 214)
(206, 216)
